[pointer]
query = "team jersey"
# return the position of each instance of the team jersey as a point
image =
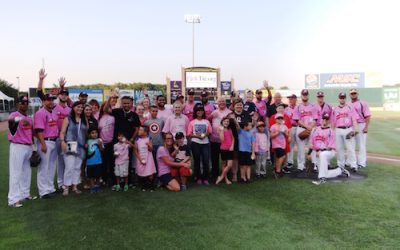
(47, 121)
(305, 114)
(361, 109)
(22, 130)
(323, 138)
(61, 113)
(322, 109)
(343, 116)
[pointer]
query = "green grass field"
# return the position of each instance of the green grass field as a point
(267, 214)
(384, 133)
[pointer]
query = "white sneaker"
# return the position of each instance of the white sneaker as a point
(319, 182)
(345, 172)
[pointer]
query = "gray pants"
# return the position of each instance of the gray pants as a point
(261, 163)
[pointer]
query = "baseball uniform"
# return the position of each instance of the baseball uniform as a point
(362, 111)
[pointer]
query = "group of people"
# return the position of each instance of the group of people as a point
(121, 145)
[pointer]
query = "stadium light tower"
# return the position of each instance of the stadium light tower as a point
(193, 19)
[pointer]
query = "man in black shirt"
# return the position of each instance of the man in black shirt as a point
(272, 108)
(126, 121)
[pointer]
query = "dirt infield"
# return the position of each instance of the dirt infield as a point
(377, 158)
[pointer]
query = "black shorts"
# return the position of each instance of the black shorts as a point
(245, 159)
(279, 152)
(94, 171)
(226, 155)
(166, 178)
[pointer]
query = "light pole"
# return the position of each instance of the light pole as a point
(18, 85)
(193, 19)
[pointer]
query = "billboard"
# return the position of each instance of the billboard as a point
(226, 87)
(312, 81)
(342, 80)
(96, 94)
(201, 79)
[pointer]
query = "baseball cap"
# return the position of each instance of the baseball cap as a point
(258, 91)
(304, 92)
(278, 115)
(326, 116)
(23, 98)
(204, 93)
(180, 97)
(190, 91)
(342, 95)
(64, 91)
(353, 91)
(292, 96)
(179, 135)
(48, 97)
(320, 94)
(83, 93)
(260, 124)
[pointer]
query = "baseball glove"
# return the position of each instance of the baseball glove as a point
(350, 134)
(304, 134)
(35, 159)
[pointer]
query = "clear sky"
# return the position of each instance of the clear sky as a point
(109, 41)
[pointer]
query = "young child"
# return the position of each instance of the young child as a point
(121, 153)
(247, 156)
(182, 155)
(279, 136)
(94, 161)
(145, 167)
(261, 150)
(227, 147)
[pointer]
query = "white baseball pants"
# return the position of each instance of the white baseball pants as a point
(60, 164)
(20, 172)
(47, 168)
(323, 160)
(350, 144)
(361, 141)
(301, 148)
(293, 141)
(72, 172)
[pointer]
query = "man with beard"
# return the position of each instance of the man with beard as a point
(163, 112)
(263, 105)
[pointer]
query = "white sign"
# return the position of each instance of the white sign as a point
(192, 18)
(201, 80)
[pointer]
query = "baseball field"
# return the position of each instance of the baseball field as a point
(267, 214)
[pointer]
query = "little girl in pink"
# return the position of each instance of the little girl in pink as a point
(145, 167)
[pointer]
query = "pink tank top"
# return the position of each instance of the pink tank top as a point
(228, 138)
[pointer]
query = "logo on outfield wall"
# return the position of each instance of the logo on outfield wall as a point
(226, 87)
(312, 81)
(342, 80)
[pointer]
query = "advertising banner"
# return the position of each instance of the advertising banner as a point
(226, 87)
(96, 94)
(176, 89)
(391, 99)
(342, 80)
(201, 80)
(312, 81)
(140, 94)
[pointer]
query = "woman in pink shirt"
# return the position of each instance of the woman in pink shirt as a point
(106, 129)
(279, 136)
(198, 130)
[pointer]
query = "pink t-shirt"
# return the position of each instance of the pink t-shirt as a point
(198, 127)
(217, 116)
(361, 109)
(343, 116)
(262, 143)
(61, 113)
(175, 124)
(280, 140)
(323, 138)
(289, 111)
(261, 107)
(122, 149)
(162, 167)
(208, 108)
(48, 122)
(188, 110)
(320, 110)
(106, 128)
(305, 113)
(148, 168)
(228, 139)
(164, 114)
(23, 134)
